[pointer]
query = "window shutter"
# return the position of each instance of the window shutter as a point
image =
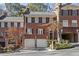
(32, 31)
(40, 19)
(36, 31)
(26, 30)
(77, 12)
(43, 31)
(47, 20)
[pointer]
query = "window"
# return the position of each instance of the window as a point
(2, 24)
(65, 12)
(33, 19)
(47, 19)
(12, 24)
(65, 23)
(36, 21)
(40, 31)
(74, 23)
(29, 31)
(18, 24)
(69, 12)
(1, 34)
(44, 20)
(29, 20)
(40, 19)
(6, 24)
(74, 12)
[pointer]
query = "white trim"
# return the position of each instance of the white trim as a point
(65, 23)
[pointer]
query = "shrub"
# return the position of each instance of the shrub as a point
(1, 49)
(63, 45)
(7, 49)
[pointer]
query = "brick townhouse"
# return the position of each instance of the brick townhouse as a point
(37, 36)
(7, 23)
(69, 16)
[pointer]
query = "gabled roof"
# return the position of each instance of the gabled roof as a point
(70, 6)
(12, 19)
(36, 14)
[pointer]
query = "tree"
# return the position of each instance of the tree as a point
(14, 35)
(38, 6)
(14, 8)
(21, 12)
(53, 26)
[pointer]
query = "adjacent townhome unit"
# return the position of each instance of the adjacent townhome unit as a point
(9, 23)
(69, 16)
(36, 36)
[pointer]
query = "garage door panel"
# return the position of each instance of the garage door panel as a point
(29, 43)
(41, 43)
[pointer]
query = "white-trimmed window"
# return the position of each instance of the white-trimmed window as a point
(2, 24)
(18, 24)
(65, 23)
(1, 34)
(74, 23)
(40, 31)
(29, 20)
(29, 31)
(44, 20)
(36, 21)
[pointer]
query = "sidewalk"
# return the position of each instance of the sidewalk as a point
(36, 50)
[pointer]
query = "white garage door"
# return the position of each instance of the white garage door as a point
(41, 43)
(29, 43)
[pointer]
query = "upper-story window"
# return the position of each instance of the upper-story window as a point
(44, 20)
(47, 19)
(29, 20)
(70, 12)
(74, 12)
(40, 31)
(1, 33)
(40, 19)
(2, 24)
(29, 31)
(36, 20)
(64, 12)
(33, 19)
(12, 24)
(65, 23)
(5, 24)
(74, 23)
(18, 24)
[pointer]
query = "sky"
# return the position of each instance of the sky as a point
(52, 5)
(2, 5)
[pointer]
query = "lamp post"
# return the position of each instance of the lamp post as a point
(61, 33)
